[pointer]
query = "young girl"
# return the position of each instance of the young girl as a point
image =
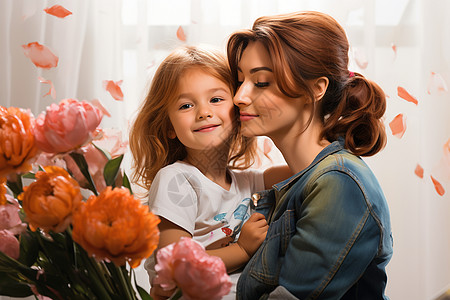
(185, 141)
(329, 233)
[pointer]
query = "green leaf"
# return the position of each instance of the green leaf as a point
(30, 175)
(29, 248)
(15, 186)
(10, 286)
(111, 170)
(126, 182)
(106, 153)
(83, 166)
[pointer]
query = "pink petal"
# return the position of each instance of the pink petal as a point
(360, 58)
(40, 55)
(9, 244)
(394, 48)
(58, 11)
(100, 106)
(402, 93)
(398, 126)
(419, 171)
(113, 87)
(438, 186)
(51, 91)
(436, 83)
(180, 34)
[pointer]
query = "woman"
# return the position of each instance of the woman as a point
(329, 234)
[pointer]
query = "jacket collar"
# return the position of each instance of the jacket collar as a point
(334, 147)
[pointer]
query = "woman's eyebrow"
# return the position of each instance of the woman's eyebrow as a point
(257, 69)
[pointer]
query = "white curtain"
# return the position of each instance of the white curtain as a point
(396, 43)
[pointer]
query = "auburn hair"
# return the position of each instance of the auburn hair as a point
(308, 45)
(150, 145)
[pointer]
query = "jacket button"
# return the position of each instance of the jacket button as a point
(255, 198)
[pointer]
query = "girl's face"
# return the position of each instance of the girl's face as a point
(202, 116)
(264, 109)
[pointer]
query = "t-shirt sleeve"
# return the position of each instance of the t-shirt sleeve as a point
(173, 197)
(256, 180)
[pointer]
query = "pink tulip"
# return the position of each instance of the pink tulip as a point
(66, 126)
(9, 244)
(187, 265)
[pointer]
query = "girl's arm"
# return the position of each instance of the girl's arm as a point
(276, 174)
(235, 255)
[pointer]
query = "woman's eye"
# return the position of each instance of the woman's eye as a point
(261, 84)
(216, 100)
(185, 106)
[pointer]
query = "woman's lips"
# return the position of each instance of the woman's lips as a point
(247, 117)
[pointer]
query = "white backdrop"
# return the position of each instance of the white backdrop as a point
(400, 41)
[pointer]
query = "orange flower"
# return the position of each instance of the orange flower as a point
(117, 227)
(50, 200)
(17, 143)
(2, 191)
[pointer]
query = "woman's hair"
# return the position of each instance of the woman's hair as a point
(308, 45)
(150, 145)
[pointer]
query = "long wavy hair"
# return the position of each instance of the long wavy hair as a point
(150, 144)
(308, 45)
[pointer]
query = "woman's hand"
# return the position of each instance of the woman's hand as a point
(158, 293)
(253, 233)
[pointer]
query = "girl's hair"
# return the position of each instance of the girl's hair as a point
(150, 145)
(309, 45)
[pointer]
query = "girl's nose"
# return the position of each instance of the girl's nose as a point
(204, 113)
(242, 97)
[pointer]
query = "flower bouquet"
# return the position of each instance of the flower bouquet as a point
(70, 227)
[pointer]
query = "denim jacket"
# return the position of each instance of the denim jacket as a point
(329, 234)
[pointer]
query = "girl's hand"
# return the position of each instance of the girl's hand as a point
(158, 293)
(253, 233)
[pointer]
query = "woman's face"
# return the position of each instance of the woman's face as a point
(264, 109)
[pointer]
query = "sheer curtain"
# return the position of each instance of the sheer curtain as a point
(401, 43)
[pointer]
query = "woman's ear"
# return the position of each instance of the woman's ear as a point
(320, 87)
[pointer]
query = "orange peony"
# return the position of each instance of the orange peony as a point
(117, 227)
(2, 191)
(50, 200)
(17, 143)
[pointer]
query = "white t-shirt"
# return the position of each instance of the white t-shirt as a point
(181, 194)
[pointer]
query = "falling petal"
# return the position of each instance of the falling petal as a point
(402, 93)
(419, 171)
(360, 58)
(439, 188)
(51, 91)
(40, 55)
(398, 126)
(436, 83)
(58, 11)
(100, 106)
(394, 48)
(113, 87)
(267, 147)
(180, 34)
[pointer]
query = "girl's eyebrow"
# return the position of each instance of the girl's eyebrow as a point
(211, 91)
(257, 69)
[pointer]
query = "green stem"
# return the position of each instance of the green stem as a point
(122, 281)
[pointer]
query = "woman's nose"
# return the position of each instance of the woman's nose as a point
(242, 97)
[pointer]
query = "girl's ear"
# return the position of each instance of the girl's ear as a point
(320, 87)
(172, 135)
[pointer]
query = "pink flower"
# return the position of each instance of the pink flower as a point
(187, 265)
(66, 126)
(9, 216)
(96, 162)
(9, 244)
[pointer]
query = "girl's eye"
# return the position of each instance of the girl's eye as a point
(261, 84)
(216, 100)
(185, 106)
